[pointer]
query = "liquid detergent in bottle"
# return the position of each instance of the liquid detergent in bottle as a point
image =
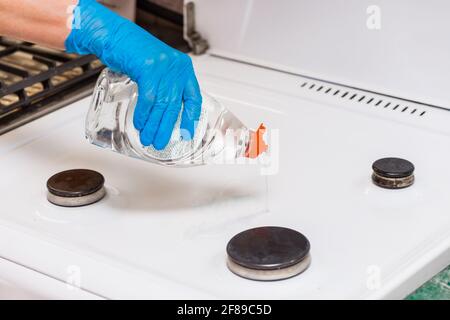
(220, 137)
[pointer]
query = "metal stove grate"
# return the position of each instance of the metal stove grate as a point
(31, 75)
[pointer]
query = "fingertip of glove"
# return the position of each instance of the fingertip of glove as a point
(160, 145)
(145, 140)
(137, 122)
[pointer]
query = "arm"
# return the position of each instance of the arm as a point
(44, 21)
(165, 77)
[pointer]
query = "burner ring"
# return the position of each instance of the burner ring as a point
(392, 183)
(76, 201)
(268, 253)
(269, 275)
(393, 173)
(74, 188)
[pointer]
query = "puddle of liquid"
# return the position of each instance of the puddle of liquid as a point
(266, 205)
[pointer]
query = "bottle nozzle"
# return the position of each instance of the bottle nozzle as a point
(257, 145)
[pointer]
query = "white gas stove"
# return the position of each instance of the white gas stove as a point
(162, 232)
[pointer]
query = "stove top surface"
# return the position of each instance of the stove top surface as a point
(162, 232)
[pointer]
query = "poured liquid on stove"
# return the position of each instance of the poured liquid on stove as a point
(266, 206)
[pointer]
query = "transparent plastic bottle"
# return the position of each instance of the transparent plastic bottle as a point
(220, 137)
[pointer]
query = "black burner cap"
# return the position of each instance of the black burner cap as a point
(75, 183)
(268, 248)
(393, 168)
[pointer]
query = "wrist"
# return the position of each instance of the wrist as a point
(26, 20)
(92, 29)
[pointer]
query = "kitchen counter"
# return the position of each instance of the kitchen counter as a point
(437, 288)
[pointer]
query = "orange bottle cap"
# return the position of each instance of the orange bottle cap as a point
(257, 145)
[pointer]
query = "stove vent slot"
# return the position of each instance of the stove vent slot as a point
(362, 97)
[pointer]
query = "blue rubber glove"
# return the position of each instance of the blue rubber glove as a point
(165, 76)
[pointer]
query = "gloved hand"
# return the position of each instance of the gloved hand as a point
(165, 76)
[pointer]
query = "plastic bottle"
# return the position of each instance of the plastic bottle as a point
(220, 137)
